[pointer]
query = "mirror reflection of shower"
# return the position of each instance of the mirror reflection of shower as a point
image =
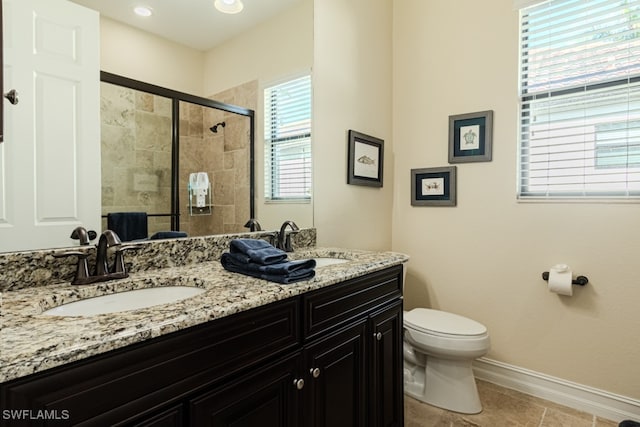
(215, 144)
(214, 128)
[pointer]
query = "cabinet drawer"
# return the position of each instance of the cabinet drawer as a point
(329, 307)
(116, 387)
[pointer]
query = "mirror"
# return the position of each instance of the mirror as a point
(261, 66)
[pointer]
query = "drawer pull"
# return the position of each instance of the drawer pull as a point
(299, 384)
(378, 336)
(315, 372)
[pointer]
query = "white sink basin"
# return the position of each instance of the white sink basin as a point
(124, 301)
(321, 261)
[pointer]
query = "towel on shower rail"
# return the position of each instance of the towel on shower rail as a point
(128, 225)
(167, 235)
(257, 251)
(283, 272)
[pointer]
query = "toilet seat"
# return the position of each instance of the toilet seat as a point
(442, 323)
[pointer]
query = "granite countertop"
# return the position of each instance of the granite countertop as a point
(32, 342)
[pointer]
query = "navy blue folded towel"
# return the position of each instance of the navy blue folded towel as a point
(128, 225)
(283, 272)
(258, 251)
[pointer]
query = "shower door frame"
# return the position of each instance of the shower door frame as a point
(176, 97)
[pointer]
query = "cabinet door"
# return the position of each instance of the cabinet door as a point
(336, 372)
(171, 417)
(386, 399)
(268, 397)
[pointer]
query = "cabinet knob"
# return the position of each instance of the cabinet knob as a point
(378, 336)
(299, 384)
(315, 372)
(12, 96)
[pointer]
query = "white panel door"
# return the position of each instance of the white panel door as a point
(50, 160)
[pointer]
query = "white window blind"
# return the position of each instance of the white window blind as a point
(287, 136)
(580, 99)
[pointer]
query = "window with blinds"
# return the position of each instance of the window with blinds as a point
(580, 99)
(287, 140)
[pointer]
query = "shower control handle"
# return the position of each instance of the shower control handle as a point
(12, 96)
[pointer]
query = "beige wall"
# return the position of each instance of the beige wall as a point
(143, 56)
(274, 49)
(484, 258)
(278, 49)
(352, 90)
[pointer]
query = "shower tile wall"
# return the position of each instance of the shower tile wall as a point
(136, 153)
(223, 155)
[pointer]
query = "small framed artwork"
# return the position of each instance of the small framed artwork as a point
(470, 137)
(366, 157)
(433, 186)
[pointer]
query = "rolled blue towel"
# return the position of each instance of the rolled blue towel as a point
(284, 272)
(258, 251)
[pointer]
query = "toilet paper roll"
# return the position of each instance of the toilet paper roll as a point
(560, 277)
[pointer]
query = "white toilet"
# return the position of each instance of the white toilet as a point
(439, 348)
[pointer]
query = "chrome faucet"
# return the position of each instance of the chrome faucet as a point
(284, 237)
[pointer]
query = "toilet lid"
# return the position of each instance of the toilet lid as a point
(441, 322)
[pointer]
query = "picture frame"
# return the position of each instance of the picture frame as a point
(365, 159)
(434, 186)
(471, 137)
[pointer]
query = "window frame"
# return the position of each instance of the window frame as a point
(526, 120)
(272, 193)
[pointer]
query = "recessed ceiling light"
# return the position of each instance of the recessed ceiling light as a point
(229, 6)
(143, 11)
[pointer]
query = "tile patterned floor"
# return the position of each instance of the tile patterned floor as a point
(501, 408)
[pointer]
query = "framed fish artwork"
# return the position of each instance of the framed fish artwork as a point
(366, 158)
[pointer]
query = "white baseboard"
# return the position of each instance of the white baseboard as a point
(588, 399)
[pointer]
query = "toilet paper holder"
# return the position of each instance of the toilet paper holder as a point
(580, 280)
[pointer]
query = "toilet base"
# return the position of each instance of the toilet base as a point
(447, 384)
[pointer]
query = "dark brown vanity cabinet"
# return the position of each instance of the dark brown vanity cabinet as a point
(331, 357)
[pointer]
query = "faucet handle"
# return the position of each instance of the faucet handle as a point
(82, 268)
(288, 247)
(118, 263)
(272, 236)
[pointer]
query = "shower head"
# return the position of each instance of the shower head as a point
(214, 128)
